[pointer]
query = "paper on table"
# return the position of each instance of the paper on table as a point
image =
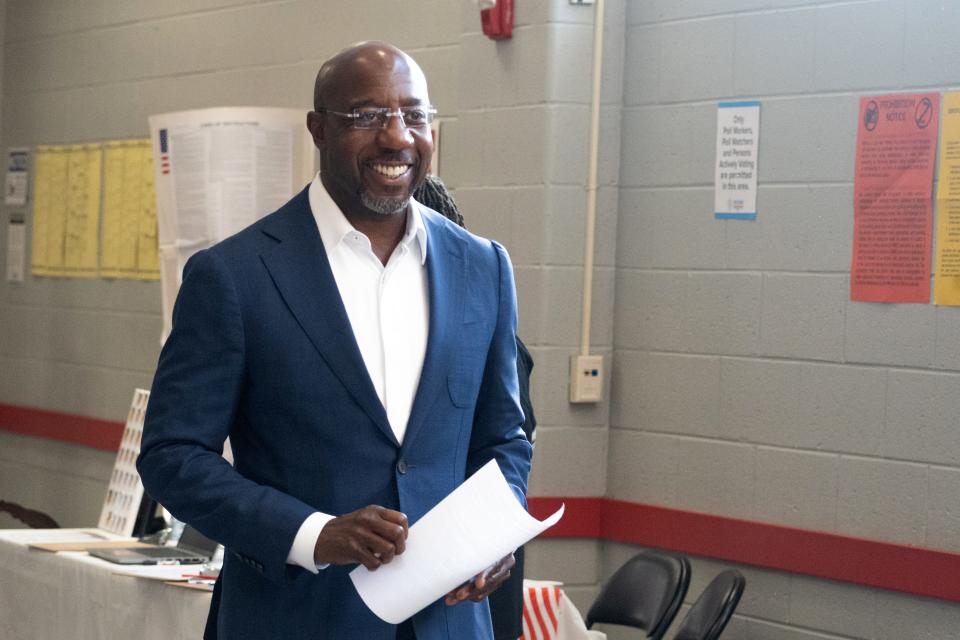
(57, 547)
(479, 523)
(161, 573)
(48, 536)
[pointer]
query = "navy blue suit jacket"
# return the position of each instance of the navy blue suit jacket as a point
(262, 350)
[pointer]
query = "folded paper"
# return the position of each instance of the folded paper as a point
(479, 523)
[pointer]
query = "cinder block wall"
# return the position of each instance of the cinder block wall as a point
(745, 382)
(94, 70)
(522, 137)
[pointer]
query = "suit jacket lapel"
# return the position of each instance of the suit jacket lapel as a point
(299, 267)
(446, 277)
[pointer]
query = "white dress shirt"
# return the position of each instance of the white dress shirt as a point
(388, 310)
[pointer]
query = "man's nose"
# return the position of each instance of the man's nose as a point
(395, 134)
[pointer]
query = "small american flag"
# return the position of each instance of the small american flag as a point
(164, 153)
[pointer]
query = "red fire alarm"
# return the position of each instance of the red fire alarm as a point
(497, 21)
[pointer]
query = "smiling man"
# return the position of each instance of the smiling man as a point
(359, 350)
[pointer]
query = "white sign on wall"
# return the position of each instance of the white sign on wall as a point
(735, 180)
(217, 171)
(16, 248)
(18, 177)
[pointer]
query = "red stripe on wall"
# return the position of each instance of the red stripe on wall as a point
(581, 516)
(925, 572)
(887, 565)
(89, 432)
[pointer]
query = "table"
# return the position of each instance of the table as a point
(47, 596)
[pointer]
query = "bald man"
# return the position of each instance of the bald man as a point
(359, 349)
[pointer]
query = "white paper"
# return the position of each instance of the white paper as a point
(16, 250)
(18, 177)
(735, 179)
(217, 171)
(163, 573)
(468, 531)
(27, 537)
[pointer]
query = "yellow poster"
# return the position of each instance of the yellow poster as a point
(113, 162)
(129, 212)
(49, 210)
(148, 253)
(946, 287)
(41, 206)
(82, 211)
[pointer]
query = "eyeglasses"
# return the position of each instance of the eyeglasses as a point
(378, 117)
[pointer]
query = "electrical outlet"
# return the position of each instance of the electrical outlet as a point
(586, 378)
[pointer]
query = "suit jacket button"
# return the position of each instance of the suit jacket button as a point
(402, 466)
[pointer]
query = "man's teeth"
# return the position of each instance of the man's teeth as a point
(391, 170)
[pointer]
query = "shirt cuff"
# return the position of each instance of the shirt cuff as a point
(301, 552)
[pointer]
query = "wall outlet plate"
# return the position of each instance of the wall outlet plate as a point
(586, 378)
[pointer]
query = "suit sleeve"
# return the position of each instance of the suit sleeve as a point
(194, 402)
(497, 428)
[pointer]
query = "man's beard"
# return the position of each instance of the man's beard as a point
(384, 205)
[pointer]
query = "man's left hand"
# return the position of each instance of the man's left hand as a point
(484, 583)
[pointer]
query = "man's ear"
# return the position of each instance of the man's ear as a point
(315, 126)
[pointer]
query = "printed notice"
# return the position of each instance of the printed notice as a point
(81, 224)
(946, 281)
(129, 212)
(215, 172)
(49, 210)
(66, 210)
(16, 249)
(18, 177)
(892, 209)
(735, 180)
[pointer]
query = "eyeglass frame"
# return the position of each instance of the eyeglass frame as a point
(383, 116)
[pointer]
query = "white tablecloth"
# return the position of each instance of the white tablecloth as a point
(69, 595)
(53, 596)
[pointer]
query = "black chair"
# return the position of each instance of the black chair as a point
(645, 593)
(31, 518)
(710, 613)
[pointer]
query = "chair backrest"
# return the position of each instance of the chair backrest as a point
(645, 593)
(31, 518)
(710, 613)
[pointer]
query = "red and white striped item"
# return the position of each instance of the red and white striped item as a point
(548, 614)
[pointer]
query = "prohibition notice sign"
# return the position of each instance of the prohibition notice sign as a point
(892, 207)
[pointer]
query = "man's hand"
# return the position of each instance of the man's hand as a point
(484, 583)
(371, 536)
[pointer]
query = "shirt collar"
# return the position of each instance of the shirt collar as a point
(334, 226)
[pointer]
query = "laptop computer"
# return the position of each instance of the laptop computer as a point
(193, 548)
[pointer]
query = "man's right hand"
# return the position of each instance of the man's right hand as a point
(371, 536)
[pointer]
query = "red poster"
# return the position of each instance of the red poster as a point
(892, 198)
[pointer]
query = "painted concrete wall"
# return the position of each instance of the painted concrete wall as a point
(746, 383)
